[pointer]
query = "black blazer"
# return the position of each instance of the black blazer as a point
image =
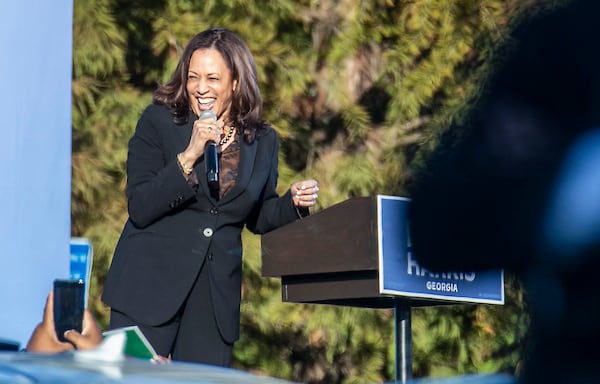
(173, 229)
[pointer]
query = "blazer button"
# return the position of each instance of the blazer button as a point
(208, 232)
(214, 211)
(210, 256)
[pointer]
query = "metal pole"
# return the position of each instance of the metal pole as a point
(403, 341)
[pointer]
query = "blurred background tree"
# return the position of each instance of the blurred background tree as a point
(359, 91)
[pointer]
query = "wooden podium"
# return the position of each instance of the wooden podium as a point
(358, 253)
(330, 257)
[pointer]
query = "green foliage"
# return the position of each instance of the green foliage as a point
(359, 92)
(450, 340)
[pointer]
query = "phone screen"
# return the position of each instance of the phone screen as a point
(69, 298)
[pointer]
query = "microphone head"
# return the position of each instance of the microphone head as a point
(207, 115)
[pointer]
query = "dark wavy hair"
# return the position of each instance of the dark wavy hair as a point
(246, 101)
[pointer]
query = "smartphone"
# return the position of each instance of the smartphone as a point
(69, 297)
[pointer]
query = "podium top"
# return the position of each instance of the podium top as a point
(341, 238)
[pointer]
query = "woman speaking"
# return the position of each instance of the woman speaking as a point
(177, 268)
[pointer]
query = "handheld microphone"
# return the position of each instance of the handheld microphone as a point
(211, 159)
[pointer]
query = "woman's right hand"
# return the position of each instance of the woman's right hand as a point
(204, 130)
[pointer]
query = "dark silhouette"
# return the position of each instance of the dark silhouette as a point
(495, 196)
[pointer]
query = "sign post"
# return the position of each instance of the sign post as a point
(400, 275)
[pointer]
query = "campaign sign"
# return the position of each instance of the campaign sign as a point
(81, 261)
(400, 274)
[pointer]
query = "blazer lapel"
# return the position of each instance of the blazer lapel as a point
(247, 159)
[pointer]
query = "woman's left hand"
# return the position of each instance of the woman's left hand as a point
(304, 193)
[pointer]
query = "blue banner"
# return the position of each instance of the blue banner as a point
(400, 274)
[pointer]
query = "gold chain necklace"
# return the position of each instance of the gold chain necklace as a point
(227, 136)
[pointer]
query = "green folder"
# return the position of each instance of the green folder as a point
(136, 344)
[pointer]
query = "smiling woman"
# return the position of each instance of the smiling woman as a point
(177, 268)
